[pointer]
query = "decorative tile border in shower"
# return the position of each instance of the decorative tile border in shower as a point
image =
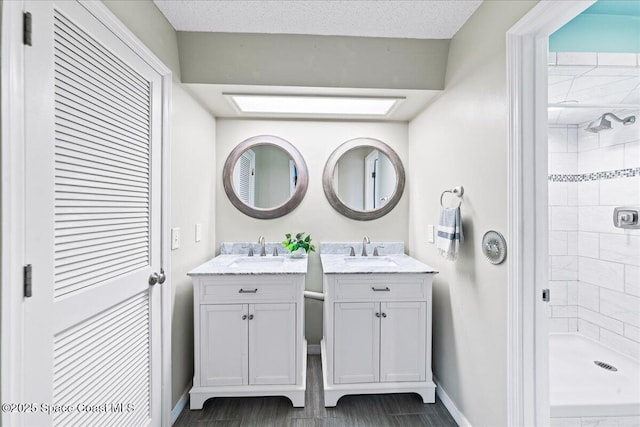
(595, 176)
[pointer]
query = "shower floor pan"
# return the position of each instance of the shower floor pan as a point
(588, 379)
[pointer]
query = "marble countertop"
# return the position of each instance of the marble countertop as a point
(239, 264)
(391, 263)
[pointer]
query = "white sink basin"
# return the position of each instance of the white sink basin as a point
(254, 261)
(371, 261)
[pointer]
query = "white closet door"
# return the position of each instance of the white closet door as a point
(93, 123)
(371, 179)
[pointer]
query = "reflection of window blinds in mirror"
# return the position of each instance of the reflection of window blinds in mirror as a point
(244, 177)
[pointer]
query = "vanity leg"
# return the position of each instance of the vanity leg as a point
(196, 401)
(331, 398)
(296, 398)
(428, 396)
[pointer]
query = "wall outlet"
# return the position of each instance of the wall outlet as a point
(198, 232)
(431, 234)
(175, 238)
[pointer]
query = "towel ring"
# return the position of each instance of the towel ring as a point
(457, 191)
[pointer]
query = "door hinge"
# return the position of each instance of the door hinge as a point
(546, 295)
(27, 281)
(26, 28)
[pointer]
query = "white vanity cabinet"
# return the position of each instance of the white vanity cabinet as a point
(379, 342)
(248, 336)
(258, 344)
(377, 334)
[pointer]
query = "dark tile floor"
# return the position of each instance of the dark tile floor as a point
(402, 410)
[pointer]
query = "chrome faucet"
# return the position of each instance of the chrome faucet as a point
(263, 251)
(364, 245)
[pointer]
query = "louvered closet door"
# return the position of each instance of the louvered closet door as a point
(93, 120)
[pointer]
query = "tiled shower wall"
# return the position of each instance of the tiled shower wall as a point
(594, 267)
(563, 233)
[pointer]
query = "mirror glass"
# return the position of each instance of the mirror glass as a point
(364, 178)
(265, 176)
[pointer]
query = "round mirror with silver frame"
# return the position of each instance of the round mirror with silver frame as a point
(265, 177)
(363, 179)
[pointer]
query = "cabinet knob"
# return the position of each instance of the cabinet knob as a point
(377, 314)
(251, 317)
(384, 314)
(244, 317)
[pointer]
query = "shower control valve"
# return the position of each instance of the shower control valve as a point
(626, 217)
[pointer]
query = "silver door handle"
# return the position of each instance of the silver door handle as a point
(157, 278)
(385, 289)
(248, 291)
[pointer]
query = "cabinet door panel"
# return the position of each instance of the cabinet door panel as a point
(224, 340)
(403, 341)
(357, 342)
(272, 344)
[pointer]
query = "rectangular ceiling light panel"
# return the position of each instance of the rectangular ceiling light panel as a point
(313, 105)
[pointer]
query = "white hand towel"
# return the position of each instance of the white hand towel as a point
(449, 233)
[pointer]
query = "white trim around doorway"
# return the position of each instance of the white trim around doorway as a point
(12, 208)
(527, 371)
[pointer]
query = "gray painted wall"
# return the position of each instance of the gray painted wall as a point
(314, 61)
(192, 180)
(461, 139)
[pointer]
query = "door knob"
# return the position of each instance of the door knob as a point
(157, 278)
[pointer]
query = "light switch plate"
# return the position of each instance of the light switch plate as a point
(175, 238)
(198, 232)
(430, 234)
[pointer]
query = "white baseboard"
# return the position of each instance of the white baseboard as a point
(313, 349)
(458, 416)
(182, 403)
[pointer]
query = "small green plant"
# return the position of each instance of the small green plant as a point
(297, 242)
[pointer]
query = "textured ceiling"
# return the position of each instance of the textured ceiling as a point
(421, 19)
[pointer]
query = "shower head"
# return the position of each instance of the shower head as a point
(605, 124)
(595, 128)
